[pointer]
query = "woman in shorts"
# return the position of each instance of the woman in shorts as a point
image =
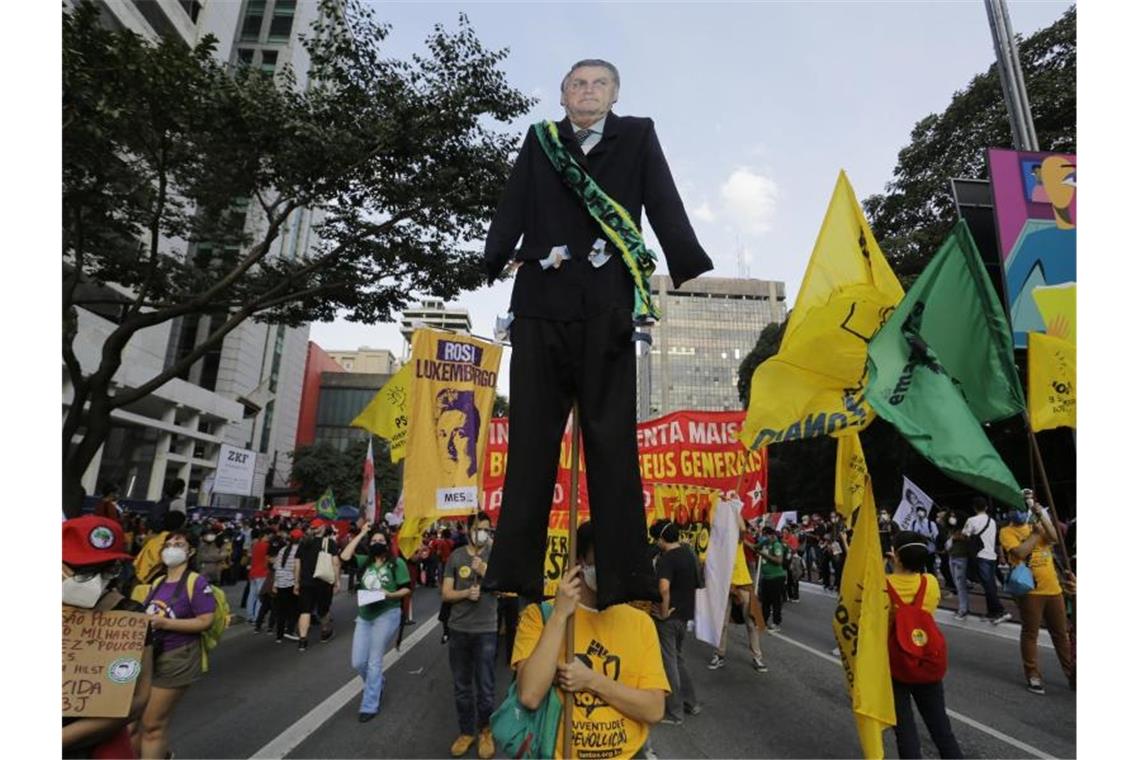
(180, 607)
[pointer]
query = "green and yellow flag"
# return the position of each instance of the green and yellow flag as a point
(326, 505)
(387, 413)
(862, 614)
(1052, 382)
(813, 386)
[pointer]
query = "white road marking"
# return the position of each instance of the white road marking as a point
(1011, 741)
(289, 739)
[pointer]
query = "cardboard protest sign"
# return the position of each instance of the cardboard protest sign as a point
(102, 660)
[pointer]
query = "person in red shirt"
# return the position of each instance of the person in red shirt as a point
(258, 571)
(108, 505)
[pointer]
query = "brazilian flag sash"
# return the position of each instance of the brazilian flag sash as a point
(615, 221)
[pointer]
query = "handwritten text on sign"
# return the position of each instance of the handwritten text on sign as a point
(102, 660)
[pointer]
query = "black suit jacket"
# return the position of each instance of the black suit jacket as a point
(629, 165)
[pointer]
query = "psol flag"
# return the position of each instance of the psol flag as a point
(453, 392)
(387, 413)
(850, 475)
(813, 386)
(861, 625)
(1052, 382)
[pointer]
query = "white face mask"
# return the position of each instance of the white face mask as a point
(83, 594)
(209, 536)
(173, 556)
(590, 577)
(480, 537)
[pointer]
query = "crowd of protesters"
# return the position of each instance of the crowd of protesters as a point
(167, 566)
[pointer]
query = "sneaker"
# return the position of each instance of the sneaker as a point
(365, 717)
(1036, 686)
(278, 640)
(795, 601)
(325, 638)
(1001, 618)
(292, 637)
(669, 720)
(486, 744)
(960, 615)
(835, 652)
(694, 709)
(303, 645)
(460, 746)
(773, 629)
(717, 662)
(758, 665)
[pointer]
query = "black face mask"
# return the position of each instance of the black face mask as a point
(378, 550)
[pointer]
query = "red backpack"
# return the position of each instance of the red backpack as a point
(916, 647)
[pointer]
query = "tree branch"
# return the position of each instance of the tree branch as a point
(155, 229)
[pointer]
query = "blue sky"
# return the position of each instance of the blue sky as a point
(758, 105)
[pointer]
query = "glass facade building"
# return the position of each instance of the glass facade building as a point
(707, 327)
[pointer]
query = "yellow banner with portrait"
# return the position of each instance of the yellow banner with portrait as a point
(452, 394)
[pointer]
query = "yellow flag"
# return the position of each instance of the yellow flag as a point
(1052, 382)
(387, 413)
(861, 625)
(850, 475)
(814, 385)
(452, 394)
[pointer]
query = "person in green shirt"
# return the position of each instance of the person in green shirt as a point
(773, 576)
(384, 581)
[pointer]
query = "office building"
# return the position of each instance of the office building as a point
(433, 312)
(247, 393)
(368, 360)
(707, 327)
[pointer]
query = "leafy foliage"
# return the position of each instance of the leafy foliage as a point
(321, 466)
(181, 175)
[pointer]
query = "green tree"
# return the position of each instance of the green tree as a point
(913, 216)
(322, 466)
(180, 174)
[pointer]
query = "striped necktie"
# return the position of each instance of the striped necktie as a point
(583, 135)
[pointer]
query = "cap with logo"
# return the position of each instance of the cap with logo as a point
(92, 540)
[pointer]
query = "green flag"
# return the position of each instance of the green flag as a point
(943, 363)
(326, 505)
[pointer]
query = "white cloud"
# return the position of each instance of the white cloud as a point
(750, 200)
(705, 213)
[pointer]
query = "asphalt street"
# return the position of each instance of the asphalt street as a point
(262, 699)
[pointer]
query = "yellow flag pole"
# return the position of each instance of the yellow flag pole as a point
(572, 556)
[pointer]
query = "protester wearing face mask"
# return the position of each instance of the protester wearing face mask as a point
(384, 581)
(958, 552)
(93, 554)
(286, 588)
(617, 679)
(473, 624)
(180, 607)
(1029, 539)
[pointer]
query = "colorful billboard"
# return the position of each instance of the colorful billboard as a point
(1035, 205)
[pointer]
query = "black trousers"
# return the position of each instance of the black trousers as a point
(931, 703)
(772, 600)
(553, 364)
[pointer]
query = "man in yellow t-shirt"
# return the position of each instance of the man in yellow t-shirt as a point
(1031, 540)
(617, 680)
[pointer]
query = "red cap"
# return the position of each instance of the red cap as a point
(318, 523)
(296, 533)
(92, 540)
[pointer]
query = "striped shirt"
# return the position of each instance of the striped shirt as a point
(283, 576)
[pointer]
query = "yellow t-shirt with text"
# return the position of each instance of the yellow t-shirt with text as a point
(1040, 559)
(906, 586)
(620, 642)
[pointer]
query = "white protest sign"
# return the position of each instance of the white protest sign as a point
(234, 474)
(712, 600)
(914, 509)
